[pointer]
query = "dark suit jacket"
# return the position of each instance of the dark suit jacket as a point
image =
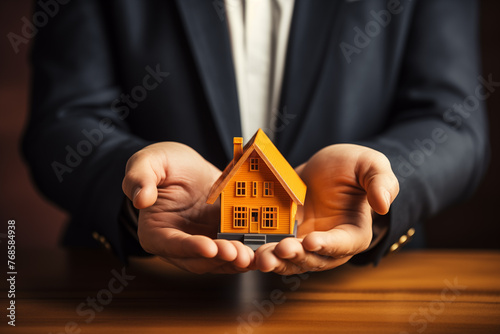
(366, 72)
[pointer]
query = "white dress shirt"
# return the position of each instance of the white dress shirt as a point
(259, 32)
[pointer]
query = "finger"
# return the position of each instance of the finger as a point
(226, 250)
(297, 259)
(241, 264)
(293, 251)
(200, 265)
(289, 248)
(140, 181)
(265, 259)
(173, 243)
(378, 180)
(340, 242)
(245, 255)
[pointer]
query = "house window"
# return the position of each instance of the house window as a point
(269, 217)
(240, 216)
(254, 189)
(241, 188)
(254, 164)
(268, 189)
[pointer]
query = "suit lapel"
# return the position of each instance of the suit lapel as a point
(313, 24)
(207, 32)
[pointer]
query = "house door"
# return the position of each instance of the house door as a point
(254, 220)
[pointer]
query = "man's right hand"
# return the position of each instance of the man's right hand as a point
(169, 182)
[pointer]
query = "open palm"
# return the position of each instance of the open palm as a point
(345, 183)
(169, 183)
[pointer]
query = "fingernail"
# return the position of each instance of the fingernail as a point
(136, 192)
(387, 197)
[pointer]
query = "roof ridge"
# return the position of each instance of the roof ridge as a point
(273, 158)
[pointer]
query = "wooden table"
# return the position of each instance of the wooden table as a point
(410, 292)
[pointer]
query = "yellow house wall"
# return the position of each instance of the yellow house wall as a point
(281, 199)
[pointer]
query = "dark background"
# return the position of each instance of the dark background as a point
(473, 224)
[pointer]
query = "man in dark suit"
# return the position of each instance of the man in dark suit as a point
(153, 83)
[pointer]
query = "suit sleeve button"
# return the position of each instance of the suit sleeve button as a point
(394, 247)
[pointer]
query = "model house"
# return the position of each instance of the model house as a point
(259, 194)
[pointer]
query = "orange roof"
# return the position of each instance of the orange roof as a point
(278, 165)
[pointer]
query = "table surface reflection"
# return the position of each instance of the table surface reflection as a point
(430, 291)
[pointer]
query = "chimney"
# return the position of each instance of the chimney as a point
(238, 148)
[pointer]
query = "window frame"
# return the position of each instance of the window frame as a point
(240, 188)
(240, 217)
(271, 221)
(254, 164)
(269, 187)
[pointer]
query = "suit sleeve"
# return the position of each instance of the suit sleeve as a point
(76, 144)
(437, 141)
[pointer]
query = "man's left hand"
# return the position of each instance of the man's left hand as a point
(345, 184)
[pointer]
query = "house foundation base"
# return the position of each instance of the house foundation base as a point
(255, 240)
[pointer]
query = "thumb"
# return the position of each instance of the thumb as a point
(380, 183)
(140, 182)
